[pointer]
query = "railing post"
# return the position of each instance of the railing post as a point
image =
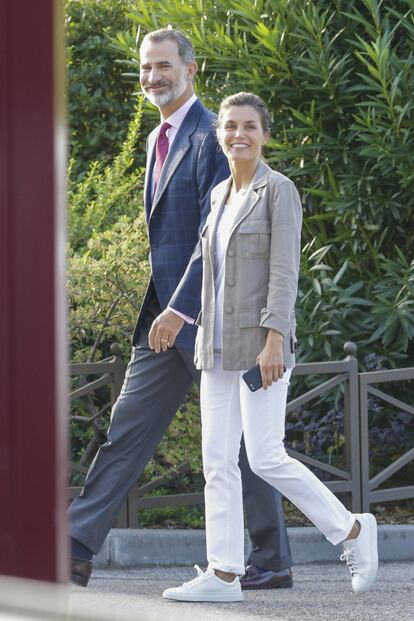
(118, 372)
(364, 456)
(352, 426)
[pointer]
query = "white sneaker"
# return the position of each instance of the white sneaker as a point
(207, 587)
(361, 554)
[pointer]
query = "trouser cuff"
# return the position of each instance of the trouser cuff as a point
(239, 570)
(271, 565)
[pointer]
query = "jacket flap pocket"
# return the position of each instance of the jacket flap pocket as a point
(255, 226)
(249, 319)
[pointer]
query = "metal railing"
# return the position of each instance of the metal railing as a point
(352, 479)
(370, 491)
(345, 373)
(110, 372)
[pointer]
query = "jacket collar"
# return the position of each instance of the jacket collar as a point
(259, 180)
(261, 175)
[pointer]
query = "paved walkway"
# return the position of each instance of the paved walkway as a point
(322, 591)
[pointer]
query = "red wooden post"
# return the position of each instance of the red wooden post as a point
(33, 434)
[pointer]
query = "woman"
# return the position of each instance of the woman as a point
(250, 247)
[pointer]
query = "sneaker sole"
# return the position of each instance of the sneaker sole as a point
(204, 598)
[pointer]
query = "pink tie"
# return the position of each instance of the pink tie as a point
(161, 151)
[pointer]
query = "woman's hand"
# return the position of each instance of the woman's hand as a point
(270, 359)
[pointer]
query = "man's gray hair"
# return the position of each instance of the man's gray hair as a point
(185, 48)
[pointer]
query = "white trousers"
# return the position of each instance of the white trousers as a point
(228, 409)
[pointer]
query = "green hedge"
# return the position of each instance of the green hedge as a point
(99, 96)
(337, 76)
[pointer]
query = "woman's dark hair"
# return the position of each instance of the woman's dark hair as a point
(246, 99)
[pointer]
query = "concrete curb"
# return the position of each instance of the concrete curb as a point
(150, 547)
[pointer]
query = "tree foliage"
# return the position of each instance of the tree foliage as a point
(108, 251)
(107, 192)
(99, 97)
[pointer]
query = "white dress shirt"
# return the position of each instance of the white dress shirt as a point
(175, 120)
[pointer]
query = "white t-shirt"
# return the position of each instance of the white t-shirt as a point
(223, 231)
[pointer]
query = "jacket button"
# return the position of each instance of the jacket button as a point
(231, 252)
(231, 282)
(229, 309)
(154, 246)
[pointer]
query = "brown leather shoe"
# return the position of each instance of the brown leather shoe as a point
(81, 570)
(255, 579)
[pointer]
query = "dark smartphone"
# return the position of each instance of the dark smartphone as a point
(253, 378)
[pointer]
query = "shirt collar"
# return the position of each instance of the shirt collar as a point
(178, 116)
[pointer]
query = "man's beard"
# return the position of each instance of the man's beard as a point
(163, 99)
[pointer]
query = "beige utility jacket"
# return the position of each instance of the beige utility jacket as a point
(261, 272)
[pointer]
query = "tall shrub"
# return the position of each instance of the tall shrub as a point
(99, 97)
(337, 76)
(108, 251)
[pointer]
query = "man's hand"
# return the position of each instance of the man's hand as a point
(164, 330)
(270, 359)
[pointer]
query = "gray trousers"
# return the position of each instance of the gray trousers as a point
(154, 387)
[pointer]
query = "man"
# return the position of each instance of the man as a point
(183, 165)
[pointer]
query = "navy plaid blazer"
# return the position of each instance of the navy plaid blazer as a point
(175, 216)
